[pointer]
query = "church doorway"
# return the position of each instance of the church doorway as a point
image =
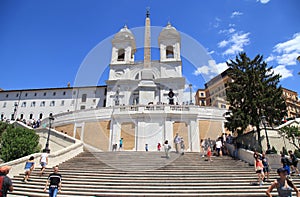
(128, 135)
(182, 129)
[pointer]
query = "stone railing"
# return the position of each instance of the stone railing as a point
(59, 154)
(247, 156)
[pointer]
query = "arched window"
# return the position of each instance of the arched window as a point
(41, 116)
(121, 55)
(31, 116)
(170, 52)
(137, 76)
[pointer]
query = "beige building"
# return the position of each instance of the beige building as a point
(200, 97)
(292, 103)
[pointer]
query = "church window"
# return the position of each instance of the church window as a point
(74, 92)
(83, 98)
(137, 76)
(26, 94)
(52, 103)
(45, 93)
(31, 116)
(35, 94)
(42, 104)
(64, 93)
(62, 103)
(54, 93)
(82, 107)
(32, 104)
(6, 95)
(41, 115)
(73, 101)
(23, 104)
(21, 116)
(170, 52)
(17, 95)
(4, 104)
(121, 55)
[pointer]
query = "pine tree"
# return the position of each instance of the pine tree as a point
(254, 92)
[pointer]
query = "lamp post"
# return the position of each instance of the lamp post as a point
(15, 111)
(51, 119)
(263, 120)
(190, 85)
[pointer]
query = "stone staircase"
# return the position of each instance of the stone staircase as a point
(148, 174)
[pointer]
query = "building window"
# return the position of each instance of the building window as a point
(35, 94)
(30, 116)
(2, 117)
(32, 104)
(52, 103)
(94, 101)
(62, 103)
(83, 98)
(41, 116)
(202, 94)
(17, 95)
(82, 107)
(121, 55)
(72, 103)
(45, 93)
(170, 52)
(6, 95)
(64, 93)
(223, 106)
(43, 104)
(4, 104)
(74, 92)
(23, 104)
(54, 93)
(26, 94)
(21, 116)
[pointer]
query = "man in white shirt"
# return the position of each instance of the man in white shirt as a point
(43, 161)
(218, 146)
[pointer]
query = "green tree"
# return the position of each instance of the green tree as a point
(292, 133)
(254, 92)
(17, 142)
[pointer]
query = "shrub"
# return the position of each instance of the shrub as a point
(17, 142)
(297, 153)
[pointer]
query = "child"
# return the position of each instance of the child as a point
(209, 154)
(158, 147)
(29, 166)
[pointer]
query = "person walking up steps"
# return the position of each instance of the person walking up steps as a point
(294, 163)
(167, 148)
(258, 165)
(43, 161)
(266, 165)
(177, 140)
(121, 144)
(29, 166)
(54, 182)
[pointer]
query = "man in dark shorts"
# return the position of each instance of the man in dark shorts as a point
(5, 181)
(294, 163)
(55, 183)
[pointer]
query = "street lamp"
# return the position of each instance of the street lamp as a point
(51, 119)
(191, 101)
(264, 121)
(15, 111)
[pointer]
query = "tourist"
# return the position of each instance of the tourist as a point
(121, 144)
(258, 166)
(29, 166)
(167, 148)
(114, 147)
(294, 163)
(266, 165)
(285, 164)
(177, 140)
(54, 181)
(146, 147)
(218, 146)
(203, 145)
(43, 161)
(209, 154)
(158, 147)
(6, 181)
(283, 185)
(182, 146)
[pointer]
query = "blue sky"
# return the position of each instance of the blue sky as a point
(43, 43)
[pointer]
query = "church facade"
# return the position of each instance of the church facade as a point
(141, 102)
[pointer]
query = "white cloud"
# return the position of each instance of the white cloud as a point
(227, 31)
(283, 71)
(264, 1)
(236, 43)
(236, 13)
(212, 69)
(287, 52)
(211, 52)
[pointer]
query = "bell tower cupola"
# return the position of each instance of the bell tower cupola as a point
(169, 44)
(123, 47)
